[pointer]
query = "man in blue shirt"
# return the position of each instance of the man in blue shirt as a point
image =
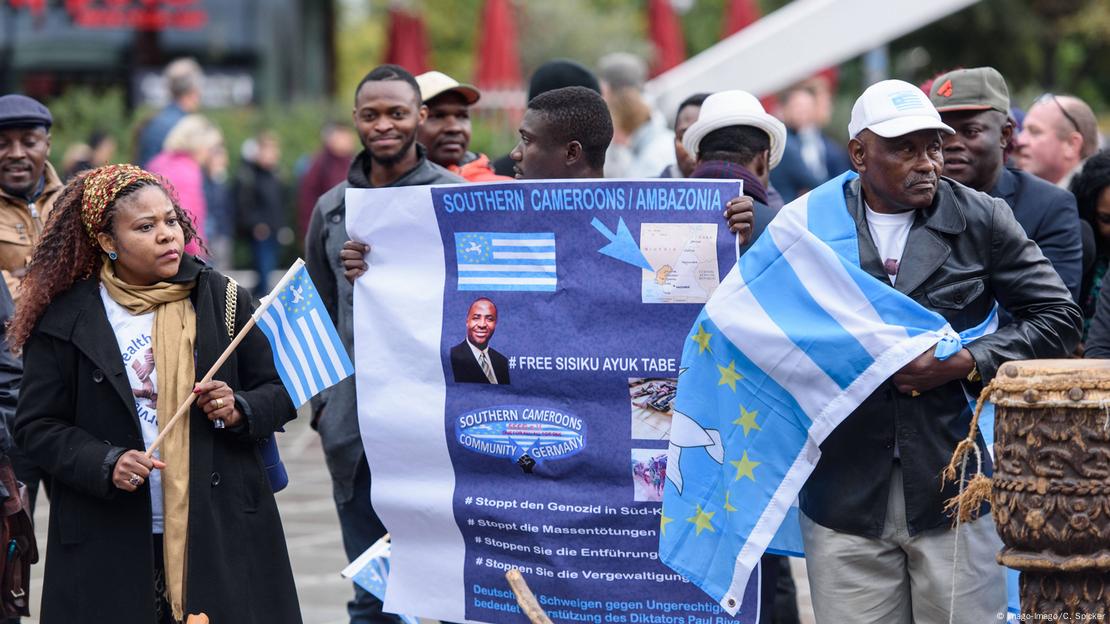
(184, 80)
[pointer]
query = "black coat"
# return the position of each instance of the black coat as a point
(1049, 217)
(76, 411)
(259, 199)
(963, 253)
(11, 372)
(465, 369)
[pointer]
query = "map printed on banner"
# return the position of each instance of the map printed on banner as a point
(517, 349)
(684, 261)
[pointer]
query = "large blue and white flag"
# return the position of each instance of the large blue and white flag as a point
(791, 343)
(308, 354)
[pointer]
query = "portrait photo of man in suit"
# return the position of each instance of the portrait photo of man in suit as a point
(472, 360)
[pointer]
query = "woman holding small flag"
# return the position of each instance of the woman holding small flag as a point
(116, 324)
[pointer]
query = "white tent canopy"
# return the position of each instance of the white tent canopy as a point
(793, 43)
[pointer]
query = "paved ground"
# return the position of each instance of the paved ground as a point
(312, 533)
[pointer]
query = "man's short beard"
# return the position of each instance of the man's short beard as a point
(24, 192)
(389, 161)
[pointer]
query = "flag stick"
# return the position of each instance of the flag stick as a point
(265, 304)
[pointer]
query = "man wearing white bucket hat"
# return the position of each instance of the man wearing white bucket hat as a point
(879, 545)
(735, 139)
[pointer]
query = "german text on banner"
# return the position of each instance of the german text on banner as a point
(517, 347)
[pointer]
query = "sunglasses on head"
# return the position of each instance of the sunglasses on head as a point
(1052, 96)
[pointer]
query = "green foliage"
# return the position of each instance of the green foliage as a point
(82, 111)
(453, 35)
(702, 24)
(297, 127)
(1039, 45)
(359, 46)
(582, 30)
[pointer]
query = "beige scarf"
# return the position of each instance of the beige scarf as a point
(175, 331)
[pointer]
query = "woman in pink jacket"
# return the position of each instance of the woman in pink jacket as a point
(186, 147)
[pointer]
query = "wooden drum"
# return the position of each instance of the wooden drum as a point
(1051, 489)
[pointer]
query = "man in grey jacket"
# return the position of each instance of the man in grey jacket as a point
(387, 114)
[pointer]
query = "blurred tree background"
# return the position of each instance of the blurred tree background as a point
(1039, 45)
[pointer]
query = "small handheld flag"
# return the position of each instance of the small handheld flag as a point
(308, 353)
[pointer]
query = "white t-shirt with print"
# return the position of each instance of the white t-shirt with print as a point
(890, 231)
(133, 334)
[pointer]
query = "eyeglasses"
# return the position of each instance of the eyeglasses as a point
(1051, 96)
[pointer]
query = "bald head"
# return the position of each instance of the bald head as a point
(1085, 123)
(1060, 131)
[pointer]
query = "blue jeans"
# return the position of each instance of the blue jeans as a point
(361, 528)
(265, 254)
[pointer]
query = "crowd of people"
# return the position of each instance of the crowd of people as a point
(961, 200)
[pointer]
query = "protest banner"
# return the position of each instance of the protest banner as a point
(516, 352)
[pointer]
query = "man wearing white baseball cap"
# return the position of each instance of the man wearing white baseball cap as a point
(879, 546)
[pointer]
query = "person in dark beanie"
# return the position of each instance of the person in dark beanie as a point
(552, 75)
(564, 135)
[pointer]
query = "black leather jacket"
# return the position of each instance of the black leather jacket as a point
(963, 252)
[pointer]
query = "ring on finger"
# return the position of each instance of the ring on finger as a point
(219, 403)
(135, 480)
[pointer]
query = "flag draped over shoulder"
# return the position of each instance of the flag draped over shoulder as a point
(308, 353)
(791, 343)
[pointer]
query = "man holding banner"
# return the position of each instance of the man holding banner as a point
(388, 111)
(838, 328)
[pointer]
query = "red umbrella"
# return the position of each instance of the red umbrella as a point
(36, 6)
(666, 36)
(738, 15)
(408, 45)
(498, 59)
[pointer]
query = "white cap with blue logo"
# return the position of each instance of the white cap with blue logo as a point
(892, 108)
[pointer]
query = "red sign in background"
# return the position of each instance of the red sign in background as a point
(137, 14)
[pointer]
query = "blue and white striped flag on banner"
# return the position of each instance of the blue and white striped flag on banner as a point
(307, 351)
(506, 261)
(791, 343)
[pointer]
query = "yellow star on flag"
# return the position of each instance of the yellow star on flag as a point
(663, 522)
(702, 338)
(747, 420)
(745, 467)
(729, 375)
(701, 519)
(728, 505)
